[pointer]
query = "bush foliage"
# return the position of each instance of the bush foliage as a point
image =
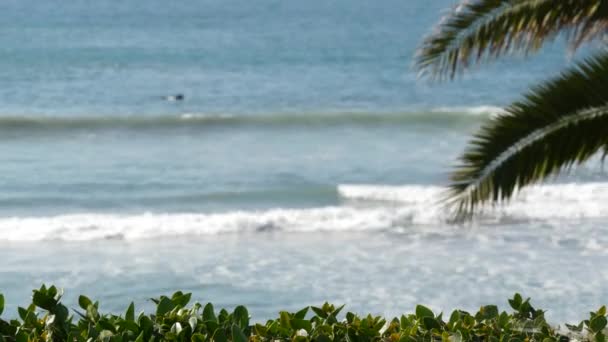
(47, 319)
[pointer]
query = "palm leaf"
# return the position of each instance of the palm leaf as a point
(558, 124)
(490, 28)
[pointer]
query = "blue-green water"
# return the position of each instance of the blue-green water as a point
(304, 163)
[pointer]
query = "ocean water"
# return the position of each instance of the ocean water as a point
(304, 165)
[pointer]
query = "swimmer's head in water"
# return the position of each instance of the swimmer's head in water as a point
(177, 97)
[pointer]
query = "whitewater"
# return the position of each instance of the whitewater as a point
(365, 208)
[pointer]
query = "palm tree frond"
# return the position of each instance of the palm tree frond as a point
(490, 28)
(558, 124)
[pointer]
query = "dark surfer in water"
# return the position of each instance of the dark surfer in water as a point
(176, 97)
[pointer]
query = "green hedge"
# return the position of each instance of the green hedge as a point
(46, 319)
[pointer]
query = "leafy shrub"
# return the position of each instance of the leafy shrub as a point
(46, 319)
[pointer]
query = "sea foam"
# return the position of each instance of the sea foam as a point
(363, 208)
(473, 110)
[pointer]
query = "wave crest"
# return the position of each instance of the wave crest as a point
(437, 117)
(366, 208)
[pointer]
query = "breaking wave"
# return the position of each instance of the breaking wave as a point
(363, 208)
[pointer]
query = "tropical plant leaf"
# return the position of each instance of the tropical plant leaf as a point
(558, 124)
(480, 29)
(185, 324)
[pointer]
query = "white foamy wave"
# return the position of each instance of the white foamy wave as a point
(146, 226)
(415, 194)
(366, 208)
(203, 116)
(476, 110)
(549, 201)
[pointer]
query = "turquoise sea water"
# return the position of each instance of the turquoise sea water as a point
(304, 164)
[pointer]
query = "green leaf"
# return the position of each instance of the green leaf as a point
(319, 312)
(457, 337)
(43, 301)
(260, 330)
(298, 324)
(241, 317)
(92, 313)
(181, 300)
(84, 302)
(302, 313)
(484, 30)
(104, 324)
(379, 325)
(209, 314)
(193, 322)
(598, 324)
(516, 302)
(337, 310)
(52, 292)
(198, 337)
(351, 335)
(176, 294)
(22, 313)
(140, 337)
(105, 335)
(503, 320)
(164, 306)
(146, 324)
(1, 303)
(454, 317)
(219, 335)
(323, 338)
(211, 326)
(237, 334)
(223, 316)
(526, 307)
(350, 317)
(422, 311)
(575, 328)
(489, 312)
(176, 328)
(7, 329)
(430, 323)
(130, 314)
(285, 320)
(128, 325)
(62, 312)
(21, 336)
(558, 124)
